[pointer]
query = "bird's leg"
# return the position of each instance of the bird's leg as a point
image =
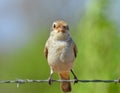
(50, 77)
(75, 77)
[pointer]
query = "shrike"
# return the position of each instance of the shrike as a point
(61, 51)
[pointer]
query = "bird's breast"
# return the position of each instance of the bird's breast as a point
(60, 56)
(61, 51)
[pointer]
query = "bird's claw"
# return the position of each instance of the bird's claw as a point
(49, 81)
(75, 80)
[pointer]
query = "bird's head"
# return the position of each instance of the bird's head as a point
(60, 26)
(60, 29)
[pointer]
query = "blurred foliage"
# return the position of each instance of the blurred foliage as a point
(98, 49)
(98, 57)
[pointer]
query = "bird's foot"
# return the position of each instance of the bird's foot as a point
(49, 81)
(75, 80)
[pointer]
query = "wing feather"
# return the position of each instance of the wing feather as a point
(75, 49)
(46, 51)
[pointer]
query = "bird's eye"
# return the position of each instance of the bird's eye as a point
(54, 26)
(64, 27)
(67, 27)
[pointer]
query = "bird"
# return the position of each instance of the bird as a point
(60, 51)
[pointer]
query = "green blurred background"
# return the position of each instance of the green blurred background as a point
(96, 34)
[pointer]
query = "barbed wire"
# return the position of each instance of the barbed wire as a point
(21, 81)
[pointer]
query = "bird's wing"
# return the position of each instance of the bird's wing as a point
(75, 49)
(46, 51)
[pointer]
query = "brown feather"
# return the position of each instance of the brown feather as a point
(46, 52)
(65, 86)
(75, 50)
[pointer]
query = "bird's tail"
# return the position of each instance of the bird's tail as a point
(65, 86)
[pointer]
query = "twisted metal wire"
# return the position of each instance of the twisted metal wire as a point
(21, 81)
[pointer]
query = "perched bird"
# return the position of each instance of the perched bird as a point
(61, 51)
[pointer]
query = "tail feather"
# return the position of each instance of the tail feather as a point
(65, 86)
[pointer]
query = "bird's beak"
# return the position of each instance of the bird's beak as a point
(61, 29)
